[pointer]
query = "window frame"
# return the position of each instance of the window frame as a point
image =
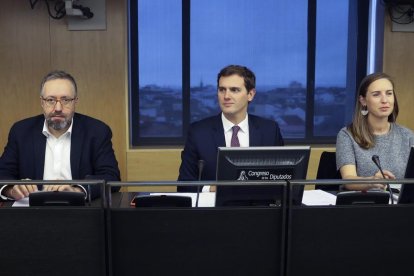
(362, 12)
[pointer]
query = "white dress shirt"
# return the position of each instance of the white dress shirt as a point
(57, 155)
(57, 158)
(243, 133)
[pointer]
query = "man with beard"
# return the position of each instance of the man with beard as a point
(58, 145)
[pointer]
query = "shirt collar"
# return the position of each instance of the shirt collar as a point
(47, 133)
(227, 125)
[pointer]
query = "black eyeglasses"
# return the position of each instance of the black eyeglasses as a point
(51, 102)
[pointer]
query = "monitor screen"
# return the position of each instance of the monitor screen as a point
(407, 190)
(260, 164)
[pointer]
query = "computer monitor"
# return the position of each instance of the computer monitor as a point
(407, 190)
(260, 164)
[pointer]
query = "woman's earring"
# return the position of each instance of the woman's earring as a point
(364, 110)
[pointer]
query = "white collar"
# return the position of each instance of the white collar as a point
(47, 133)
(227, 125)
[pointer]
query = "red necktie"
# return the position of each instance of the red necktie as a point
(234, 139)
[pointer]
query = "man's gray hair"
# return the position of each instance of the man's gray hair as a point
(58, 74)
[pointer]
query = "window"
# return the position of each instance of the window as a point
(335, 66)
(306, 55)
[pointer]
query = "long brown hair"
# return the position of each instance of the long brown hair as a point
(359, 127)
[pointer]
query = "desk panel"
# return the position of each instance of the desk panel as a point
(202, 241)
(52, 241)
(351, 240)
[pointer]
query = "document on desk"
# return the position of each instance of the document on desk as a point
(206, 199)
(24, 202)
(318, 197)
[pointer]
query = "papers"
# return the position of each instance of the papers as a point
(205, 200)
(24, 202)
(318, 197)
(310, 197)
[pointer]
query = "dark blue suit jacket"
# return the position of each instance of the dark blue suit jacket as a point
(204, 138)
(91, 155)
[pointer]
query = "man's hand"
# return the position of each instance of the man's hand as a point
(17, 192)
(61, 188)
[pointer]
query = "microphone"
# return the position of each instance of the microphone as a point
(377, 162)
(200, 165)
(375, 159)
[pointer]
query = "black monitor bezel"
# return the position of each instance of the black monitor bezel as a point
(258, 191)
(407, 190)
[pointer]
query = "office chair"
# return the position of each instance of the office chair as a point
(327, 170)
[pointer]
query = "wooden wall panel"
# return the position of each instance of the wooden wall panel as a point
(154, 165)
(24, 55)
(163, 164)
(32, 45)
(98, 61)
(399, 63)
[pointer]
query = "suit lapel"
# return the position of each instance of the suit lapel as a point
(39, 144)
(218, 132)
(76, 146)
(255, 134)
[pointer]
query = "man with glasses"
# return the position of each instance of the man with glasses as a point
(58, 145)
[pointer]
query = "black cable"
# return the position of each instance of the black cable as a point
(60, 10)
(60, 7)
(33, 4)
(60, 13)
(403, 14)
(400, 12)
(85, 10)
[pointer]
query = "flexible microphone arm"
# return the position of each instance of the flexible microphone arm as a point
(200, 165)
(377, 162)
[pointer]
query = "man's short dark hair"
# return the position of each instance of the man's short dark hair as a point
(242, 71)
(58, 74)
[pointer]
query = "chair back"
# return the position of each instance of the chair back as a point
(327, 170)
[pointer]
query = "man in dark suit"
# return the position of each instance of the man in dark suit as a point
(236, 89)
(58, 145)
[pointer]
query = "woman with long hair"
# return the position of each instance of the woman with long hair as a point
(373, 131)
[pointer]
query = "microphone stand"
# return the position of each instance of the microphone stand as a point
(376, 160)
(200, 172)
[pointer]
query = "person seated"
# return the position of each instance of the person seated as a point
(236, 89)
(373, 131)
(58, 145)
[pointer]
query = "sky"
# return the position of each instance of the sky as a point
(268, 36)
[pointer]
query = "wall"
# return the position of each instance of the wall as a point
(32, 44)
(164, 163)
(399, 63)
